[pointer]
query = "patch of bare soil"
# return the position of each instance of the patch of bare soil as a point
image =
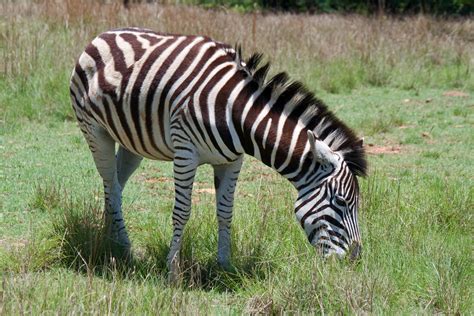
(158, 179)
(205, 190)
(379, 150)
(13, 244)
(456, 93)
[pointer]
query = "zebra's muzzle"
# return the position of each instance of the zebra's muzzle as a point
(355, 250)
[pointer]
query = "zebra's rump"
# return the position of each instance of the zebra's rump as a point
(134, 83)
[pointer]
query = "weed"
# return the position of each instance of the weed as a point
(431, 154)
(84, 244)
(47, 197)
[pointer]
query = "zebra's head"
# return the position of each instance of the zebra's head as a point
(327, 206)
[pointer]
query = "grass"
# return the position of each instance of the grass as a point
(387, 78)
(416, 221)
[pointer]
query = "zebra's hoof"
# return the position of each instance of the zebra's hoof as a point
(174, 278)
(174, 271)
(121, 252)
(227, 266)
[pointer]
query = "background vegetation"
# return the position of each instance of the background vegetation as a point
(439, 7)
(403, 83)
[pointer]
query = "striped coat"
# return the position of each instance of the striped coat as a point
(193, 100)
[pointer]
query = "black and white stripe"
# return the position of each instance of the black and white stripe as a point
(193, 100)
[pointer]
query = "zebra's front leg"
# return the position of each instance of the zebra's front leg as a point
(225, 180)
(184, 167)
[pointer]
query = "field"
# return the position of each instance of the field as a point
(405, 84)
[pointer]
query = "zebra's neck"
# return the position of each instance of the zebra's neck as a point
(269, 119)
(271, 130)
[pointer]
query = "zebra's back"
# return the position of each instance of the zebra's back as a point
(134, 83)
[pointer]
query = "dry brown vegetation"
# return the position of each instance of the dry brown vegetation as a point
(342, 51)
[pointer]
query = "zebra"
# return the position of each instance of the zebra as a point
(192, 100)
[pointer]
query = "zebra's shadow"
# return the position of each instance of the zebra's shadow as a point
(92, 256)
(207, 275)
(84, 248)
(204, 274)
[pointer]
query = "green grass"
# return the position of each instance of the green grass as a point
(416, 221)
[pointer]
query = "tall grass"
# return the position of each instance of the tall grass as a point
(40, 40)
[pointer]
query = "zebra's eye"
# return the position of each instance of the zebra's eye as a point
(339, 200)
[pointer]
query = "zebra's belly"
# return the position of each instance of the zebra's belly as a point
(148, 147)
(215, 158)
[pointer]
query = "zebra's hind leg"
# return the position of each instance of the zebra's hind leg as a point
(225, 180)
(103, 151)
(127, 163)
(184, 167)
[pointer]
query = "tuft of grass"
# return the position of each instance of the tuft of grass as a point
(431, 154)
(383, 124)
(46, 197)
(339, 76)
(84, 245)
(77, 227)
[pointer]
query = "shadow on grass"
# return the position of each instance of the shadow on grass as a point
(85, 248)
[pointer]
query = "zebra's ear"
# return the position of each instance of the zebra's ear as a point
(321, 152)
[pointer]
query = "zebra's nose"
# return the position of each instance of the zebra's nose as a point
(355, 250)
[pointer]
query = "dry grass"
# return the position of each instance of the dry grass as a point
(40, 40)
(381, 47)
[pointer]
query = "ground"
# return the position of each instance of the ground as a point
(416, 221)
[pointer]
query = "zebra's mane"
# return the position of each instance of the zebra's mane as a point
(315, 114)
